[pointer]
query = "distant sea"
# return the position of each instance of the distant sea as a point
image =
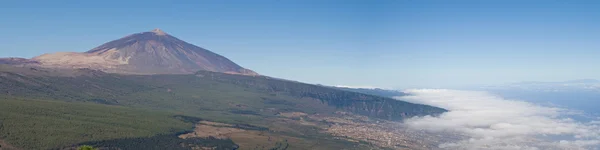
(586, 101)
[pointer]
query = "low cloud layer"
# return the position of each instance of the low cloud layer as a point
(492, 122)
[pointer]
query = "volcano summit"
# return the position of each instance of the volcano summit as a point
(154, 52)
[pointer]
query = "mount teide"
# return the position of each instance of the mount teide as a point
(154, 52)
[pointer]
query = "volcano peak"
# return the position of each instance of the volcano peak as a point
(158, 31)
(154, 52)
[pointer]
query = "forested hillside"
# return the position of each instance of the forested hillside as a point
(169, 91)
(376, 91)
(38, 98)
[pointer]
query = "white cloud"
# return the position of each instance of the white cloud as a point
(492, 122)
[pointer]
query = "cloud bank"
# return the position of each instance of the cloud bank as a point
(492, 122)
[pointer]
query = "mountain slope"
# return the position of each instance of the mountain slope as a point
(154, 52)
(180, 92)
(225, 98)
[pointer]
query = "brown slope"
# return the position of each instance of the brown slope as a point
(154, 52)
(16, 61)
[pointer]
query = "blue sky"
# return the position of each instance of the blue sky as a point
(387, 43)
